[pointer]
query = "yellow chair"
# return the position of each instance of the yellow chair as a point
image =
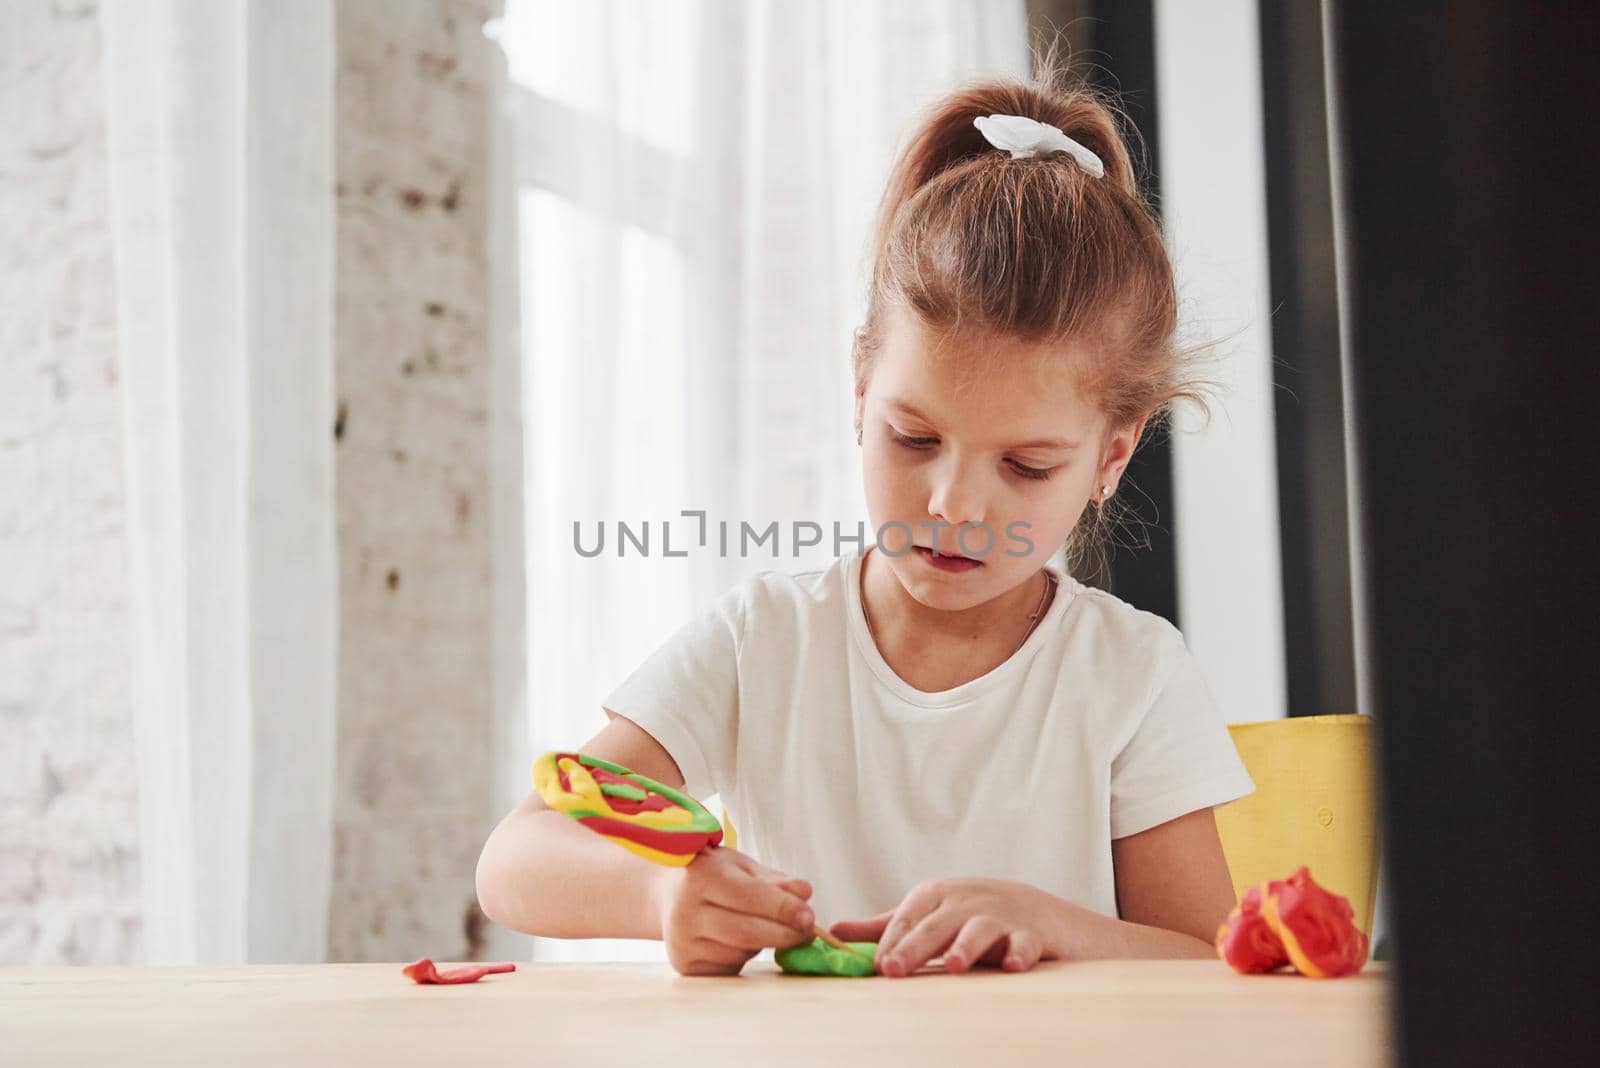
(1315, 804)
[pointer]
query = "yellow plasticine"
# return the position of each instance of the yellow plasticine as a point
(548, 784)
(584, 788)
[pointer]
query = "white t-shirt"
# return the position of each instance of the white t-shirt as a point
(834, 769)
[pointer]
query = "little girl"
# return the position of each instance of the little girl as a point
(945, 742)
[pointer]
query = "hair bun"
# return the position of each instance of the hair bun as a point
(1025, 138)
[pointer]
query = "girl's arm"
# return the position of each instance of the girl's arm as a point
(1173, 890)
(542, 873)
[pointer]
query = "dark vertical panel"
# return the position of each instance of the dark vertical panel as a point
(1052, 21)
(1308, 398)
(1122, 37)
(1465, 148)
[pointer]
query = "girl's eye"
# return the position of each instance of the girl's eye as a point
(1021, 469)
(1029, 472)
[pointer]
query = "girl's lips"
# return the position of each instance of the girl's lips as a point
(947, 563)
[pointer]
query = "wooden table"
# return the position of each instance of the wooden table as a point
(1161, 1013)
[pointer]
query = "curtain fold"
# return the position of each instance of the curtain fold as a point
(221, 172)
(696, 185)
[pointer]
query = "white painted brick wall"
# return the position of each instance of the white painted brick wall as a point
(413, 801)
(69, 876)
(412, 804)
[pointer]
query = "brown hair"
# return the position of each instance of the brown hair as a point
(1038, 249)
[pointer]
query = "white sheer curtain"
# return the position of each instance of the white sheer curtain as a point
(220, 142)
(696, 187)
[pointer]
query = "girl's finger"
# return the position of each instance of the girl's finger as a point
(801, 888)
(798, 887)
(744, 931)
(757, 897)
(921, 944)
(917, 905)
(977, 937)
(761, 871)
(1025, 951)
(862, 930)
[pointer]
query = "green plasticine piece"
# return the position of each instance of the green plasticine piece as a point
(819, 958)
(617, 789)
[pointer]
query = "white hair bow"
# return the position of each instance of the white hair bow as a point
(1024, 137)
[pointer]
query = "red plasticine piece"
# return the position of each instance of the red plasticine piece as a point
(1293, 921)
(1317, 928)
(425, 973)
(1247, 942)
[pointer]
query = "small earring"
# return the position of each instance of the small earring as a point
(1105, 491)
(858, 433)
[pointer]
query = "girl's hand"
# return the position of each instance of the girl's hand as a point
(724, 908)
(968, 920)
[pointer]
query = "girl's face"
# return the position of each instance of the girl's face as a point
(980, 430)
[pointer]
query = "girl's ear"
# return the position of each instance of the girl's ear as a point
(1120, 449)
(861, 392)
(1138, 432)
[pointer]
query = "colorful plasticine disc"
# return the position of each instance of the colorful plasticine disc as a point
(636, 812)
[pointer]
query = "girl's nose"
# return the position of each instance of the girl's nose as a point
(956, 498)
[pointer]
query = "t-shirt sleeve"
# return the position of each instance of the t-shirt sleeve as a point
(1180, 758)
(686, 696)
